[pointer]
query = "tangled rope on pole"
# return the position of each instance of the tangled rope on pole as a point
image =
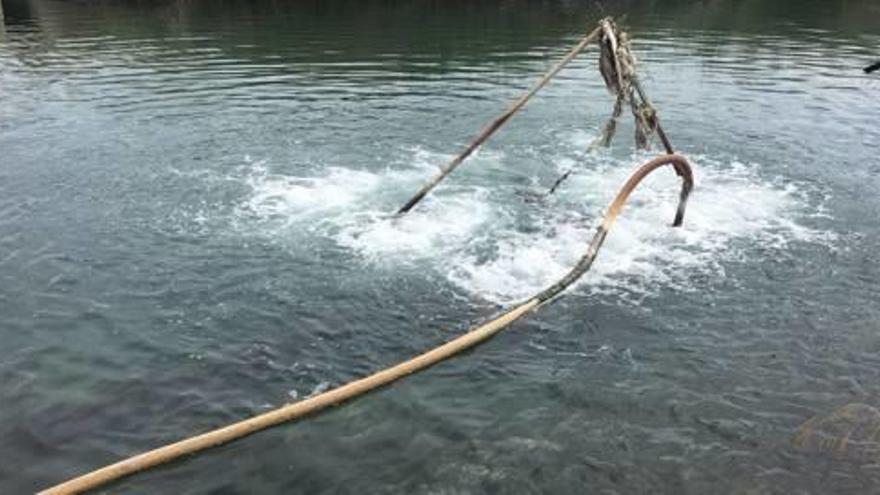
(359, 387)
(617, 64)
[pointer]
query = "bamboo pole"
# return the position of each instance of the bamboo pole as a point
(497, 123)
(359, 387)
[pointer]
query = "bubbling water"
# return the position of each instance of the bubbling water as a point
(474, 235)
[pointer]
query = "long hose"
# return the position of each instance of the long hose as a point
(353, 389)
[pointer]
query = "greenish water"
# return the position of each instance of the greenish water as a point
(192, 231)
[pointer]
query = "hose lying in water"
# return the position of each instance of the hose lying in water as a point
(497, 123)
(353, 389)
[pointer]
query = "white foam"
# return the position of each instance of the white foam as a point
(524, 263)
(352, 207)
(490, 244)
(731, 203)
(290, 196)
(439, 226)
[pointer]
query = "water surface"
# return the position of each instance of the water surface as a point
(193, 201)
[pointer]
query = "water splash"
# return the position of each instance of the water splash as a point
(291, 197)
(487, 242)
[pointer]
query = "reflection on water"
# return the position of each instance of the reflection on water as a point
(193, 228)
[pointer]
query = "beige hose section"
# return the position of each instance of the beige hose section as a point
(338, 395)
(497, 123)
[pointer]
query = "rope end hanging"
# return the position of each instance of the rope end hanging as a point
(617, 66)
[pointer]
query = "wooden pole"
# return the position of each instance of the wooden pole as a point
(497, 123)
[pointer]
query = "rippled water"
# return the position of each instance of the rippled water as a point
(193, 229)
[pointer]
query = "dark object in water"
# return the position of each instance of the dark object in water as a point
(871, 68)
(851, 432)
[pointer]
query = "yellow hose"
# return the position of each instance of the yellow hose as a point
(353, 389)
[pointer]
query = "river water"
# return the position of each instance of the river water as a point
(193, 230)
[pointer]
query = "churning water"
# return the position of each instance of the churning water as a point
(195, 226)
(489, 243)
